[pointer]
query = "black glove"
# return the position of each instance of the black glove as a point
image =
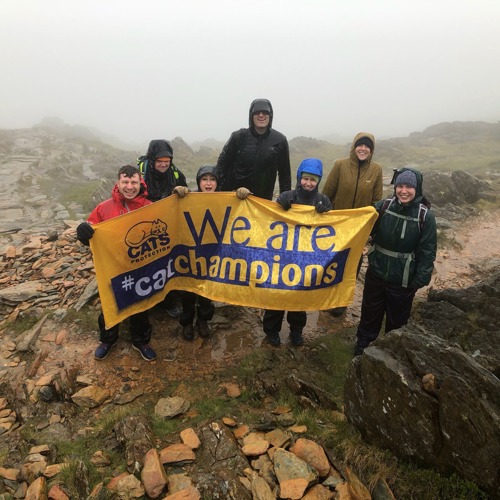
(84, 232)
(321, 207)
(286, 204)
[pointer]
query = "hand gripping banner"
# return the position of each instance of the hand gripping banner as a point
(244, 252)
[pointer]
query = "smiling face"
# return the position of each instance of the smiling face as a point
(208, 183)
(362, 152)
(261, 121)
(163, 164)
(308, 182)
(405, 193)
(129, 187)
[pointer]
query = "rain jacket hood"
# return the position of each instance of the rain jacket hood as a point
(260, 105)
(207, 169)
(352, 154)
(159, 148)
(312, 166)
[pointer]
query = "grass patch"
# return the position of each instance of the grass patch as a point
(414, 483)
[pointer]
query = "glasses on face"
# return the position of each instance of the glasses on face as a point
(265, 113)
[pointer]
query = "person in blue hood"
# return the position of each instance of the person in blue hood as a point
(309, 175)
(400, 260)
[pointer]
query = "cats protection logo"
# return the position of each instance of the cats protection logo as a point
(147, 239)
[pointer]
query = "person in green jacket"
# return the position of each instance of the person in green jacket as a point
(400, 260)
(355, 182)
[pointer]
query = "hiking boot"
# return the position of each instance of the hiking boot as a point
(203, 328)
(103, 349)
(296, 338)
(273, 339)
(174, 311)
(147, 352)
(337, 311)
(358, 350)
(188, 332)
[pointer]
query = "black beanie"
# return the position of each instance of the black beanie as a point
(366, 141)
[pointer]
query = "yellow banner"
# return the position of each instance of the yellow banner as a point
(249, 252)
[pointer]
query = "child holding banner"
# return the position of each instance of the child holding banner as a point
(129, 193)
(193, 304)
(309, 176)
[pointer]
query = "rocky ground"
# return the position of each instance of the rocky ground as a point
(52, 390)
(44, 369)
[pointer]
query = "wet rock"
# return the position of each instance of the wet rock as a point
(177, 454)
(129, 487)
(311, 391)
(153, 475)
(313, 454)
(171, 407)
(456, 428)
(91, 396)
(190, 438)
(37, 490)
(189, 493)
(294, 474)
(135, 434)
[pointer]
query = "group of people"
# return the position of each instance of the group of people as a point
(403, 240)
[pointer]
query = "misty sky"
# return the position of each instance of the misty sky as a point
(152, 69)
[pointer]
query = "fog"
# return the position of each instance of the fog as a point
(159, 69)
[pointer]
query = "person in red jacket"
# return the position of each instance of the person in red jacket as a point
(129, 193)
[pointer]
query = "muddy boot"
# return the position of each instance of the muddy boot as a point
(296, 338)
(358, 350)
(336, 312)
(203, 329)
(188, 332)
(273, 339)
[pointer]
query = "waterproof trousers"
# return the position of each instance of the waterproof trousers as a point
(382, 299)
(140, 329)
(205, 308)
(273, 319)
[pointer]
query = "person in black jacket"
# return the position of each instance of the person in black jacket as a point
(253, 157)
(309, 176)
(161, 177)
(160, 174)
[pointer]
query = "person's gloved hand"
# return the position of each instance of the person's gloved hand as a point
(84, 232)
(286, 204)
(180, 191)
(320, 207)
(242, 193)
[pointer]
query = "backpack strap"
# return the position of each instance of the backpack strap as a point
(398, 255)
(142, 164)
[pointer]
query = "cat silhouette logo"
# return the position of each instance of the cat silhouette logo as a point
(147, 238)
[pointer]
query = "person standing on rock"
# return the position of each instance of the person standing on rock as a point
(355, 182)
(400, 260)
(193, 304)
(253, 157)
(129, 193)
(309, 176)
(161, 177)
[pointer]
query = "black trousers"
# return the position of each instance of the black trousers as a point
(382, 299)
(273, 319)
(140, 329)
(205, 309)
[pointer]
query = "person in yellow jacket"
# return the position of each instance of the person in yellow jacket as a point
(355, 182)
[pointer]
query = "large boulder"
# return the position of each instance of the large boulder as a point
(457, 188)
(413, 393)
